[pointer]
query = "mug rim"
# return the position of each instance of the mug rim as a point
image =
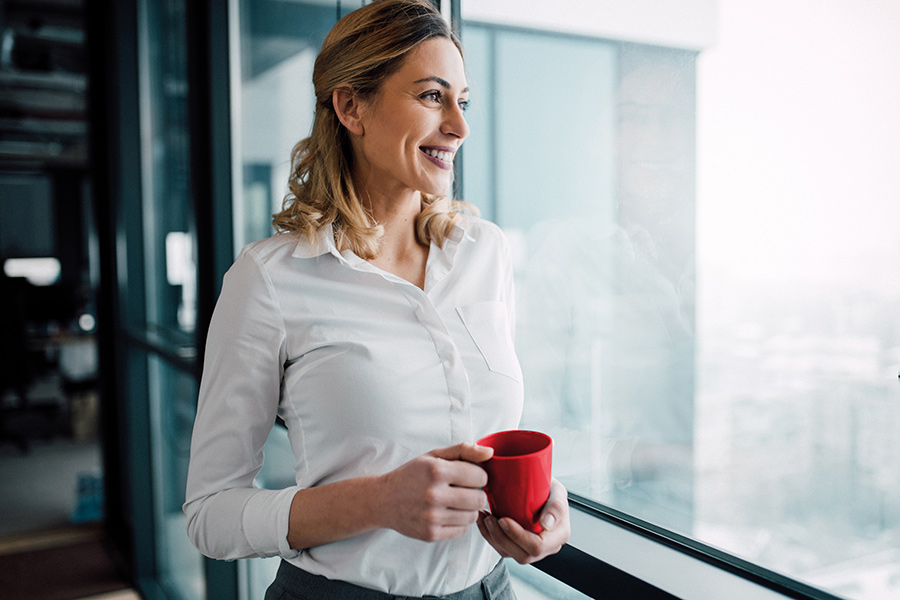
(548, 442)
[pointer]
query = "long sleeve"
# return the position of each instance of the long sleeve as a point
(227, 517)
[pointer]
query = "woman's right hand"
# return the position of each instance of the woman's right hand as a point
(436, 496)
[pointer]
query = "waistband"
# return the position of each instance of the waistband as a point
(295, 580)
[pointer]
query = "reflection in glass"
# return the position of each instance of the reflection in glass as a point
(600, 212)
(279, 42)
(167, 215)
(172, 408)
(181, 270)
(708, 269)
(169, 258)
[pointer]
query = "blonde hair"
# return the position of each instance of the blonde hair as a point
(362, 50)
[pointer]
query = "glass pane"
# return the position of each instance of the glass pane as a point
(604, 331)
(169, 232)
(278, 43)
(169, 260)
(173, 408)
(703, 211)
(798, 402)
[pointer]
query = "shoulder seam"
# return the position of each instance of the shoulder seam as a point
(253, 254)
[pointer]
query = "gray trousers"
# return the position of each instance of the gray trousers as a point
(292, 583)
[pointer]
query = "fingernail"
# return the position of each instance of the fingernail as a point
(503, 525)
(548, 521)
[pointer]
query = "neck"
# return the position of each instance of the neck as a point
(398, 217)
(400, 251)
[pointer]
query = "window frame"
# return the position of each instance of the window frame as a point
(613, 555)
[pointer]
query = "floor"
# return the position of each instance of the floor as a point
(49, 517)
(40, 487)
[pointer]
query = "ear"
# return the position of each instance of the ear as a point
(348, 108)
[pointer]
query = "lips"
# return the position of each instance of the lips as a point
(442, 157)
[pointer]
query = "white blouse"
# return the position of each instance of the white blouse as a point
(368, 372)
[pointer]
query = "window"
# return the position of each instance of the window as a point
(278, 43)
(703, 209)
(172, 395)
(162, 287)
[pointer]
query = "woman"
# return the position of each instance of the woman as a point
(377, 325)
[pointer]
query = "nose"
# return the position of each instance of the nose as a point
(455, 122)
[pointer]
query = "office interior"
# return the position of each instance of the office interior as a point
(138, 154)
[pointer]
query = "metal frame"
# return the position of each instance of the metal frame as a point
(753, 573)
(115, 166)
(209, 100)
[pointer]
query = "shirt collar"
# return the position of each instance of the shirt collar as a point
(440, 260)
(324, 244)
(459, 233)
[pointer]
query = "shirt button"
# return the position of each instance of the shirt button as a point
(455, 403)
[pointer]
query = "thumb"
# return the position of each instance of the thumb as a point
(555, 507)
(466, 452)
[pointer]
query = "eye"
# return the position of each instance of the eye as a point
(433, 96)
(437, 97)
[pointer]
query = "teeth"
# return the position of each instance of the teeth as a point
(440, 154)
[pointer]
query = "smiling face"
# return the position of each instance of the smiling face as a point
(412, 128)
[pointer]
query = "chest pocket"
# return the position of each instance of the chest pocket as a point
(488, 325)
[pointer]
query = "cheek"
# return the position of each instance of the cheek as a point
(397, 142)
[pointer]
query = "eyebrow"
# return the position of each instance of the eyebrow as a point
(440, 81)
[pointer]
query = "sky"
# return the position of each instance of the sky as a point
(799, 142)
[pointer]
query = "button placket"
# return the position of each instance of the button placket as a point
(451, 362)
(460, 418)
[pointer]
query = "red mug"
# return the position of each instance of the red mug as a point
(518, 475)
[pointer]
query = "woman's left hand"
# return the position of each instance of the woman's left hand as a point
(514, 541)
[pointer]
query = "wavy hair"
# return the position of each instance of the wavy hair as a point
(362, 50)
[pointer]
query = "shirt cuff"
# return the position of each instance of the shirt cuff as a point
(265, 522)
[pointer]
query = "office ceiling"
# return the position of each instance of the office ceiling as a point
(43, 71)
(43, 85)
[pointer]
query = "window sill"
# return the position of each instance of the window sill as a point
(667, 564)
